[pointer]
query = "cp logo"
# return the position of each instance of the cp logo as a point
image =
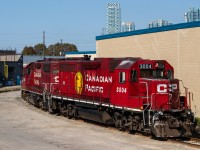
(56, 78)
(162, 88)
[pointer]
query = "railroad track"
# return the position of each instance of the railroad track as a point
(193, 141)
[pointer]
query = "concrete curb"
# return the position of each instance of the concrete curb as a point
(10, 88)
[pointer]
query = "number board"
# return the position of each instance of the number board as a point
(145, 66)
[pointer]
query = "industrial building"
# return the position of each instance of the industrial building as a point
(178, 44)
(32, 58)
(11, 65)
(92, 54)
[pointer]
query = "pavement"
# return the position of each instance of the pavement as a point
(23, 126)
(10, 88)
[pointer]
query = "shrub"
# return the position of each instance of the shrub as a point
(197, 121)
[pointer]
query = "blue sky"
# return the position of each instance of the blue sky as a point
(22, 22)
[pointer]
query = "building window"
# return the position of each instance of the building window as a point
(122, 77)
(28, 71)
(11, 69)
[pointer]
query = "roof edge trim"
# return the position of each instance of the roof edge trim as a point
(151, 30)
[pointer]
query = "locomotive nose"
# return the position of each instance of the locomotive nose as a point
(166, 94)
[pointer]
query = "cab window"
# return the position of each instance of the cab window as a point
(133, 75)
(28, 71)
(156, 74)
(169, 74)
(122, 77)
(46, 67)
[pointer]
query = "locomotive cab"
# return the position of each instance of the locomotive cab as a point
(162, 99)
(158, 86)
(146, 84)
(149, 86)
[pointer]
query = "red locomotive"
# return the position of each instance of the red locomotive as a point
(130, 93)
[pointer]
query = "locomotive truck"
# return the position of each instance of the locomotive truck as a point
(131, 93)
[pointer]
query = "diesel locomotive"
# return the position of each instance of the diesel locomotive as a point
(132, 94)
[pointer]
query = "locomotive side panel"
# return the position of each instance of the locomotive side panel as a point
(86, 81)
(67, 79)
(54, 78)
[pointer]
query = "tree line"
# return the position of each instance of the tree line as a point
(52, 50)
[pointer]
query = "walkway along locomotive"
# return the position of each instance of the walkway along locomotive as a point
(130, 93)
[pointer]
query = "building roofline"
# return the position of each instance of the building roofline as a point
(151, 30)
(81, 52)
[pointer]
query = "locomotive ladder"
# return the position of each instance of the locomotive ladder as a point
(147, 112)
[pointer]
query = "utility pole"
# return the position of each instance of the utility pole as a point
(43, 44)
(61, 47)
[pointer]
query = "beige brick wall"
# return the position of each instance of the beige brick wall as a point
(181, 48)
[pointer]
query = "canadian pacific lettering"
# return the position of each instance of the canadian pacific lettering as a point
(103, 79)
(37, 74)
(93, 89)
(36, 82)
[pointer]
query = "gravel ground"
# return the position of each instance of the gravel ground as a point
(23, 127)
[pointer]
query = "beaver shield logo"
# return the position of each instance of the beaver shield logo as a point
(78, 83)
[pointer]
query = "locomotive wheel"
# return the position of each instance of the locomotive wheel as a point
(130, 123)
(75, 112)
(119, 121)
(69, 113)
(63, 110)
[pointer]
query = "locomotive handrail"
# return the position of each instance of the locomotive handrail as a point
(147, 89)
(187, 94)
(51, 84)
(190, 98)
(45, 86)
(148, 104)
(111, 89)
(186, 89)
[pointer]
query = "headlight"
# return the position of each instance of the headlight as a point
(160, 113)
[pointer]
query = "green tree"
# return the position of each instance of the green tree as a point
(28, 51)
(53, 49)
(39, 49)
(59, 48)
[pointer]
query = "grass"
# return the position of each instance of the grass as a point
(197, 121)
